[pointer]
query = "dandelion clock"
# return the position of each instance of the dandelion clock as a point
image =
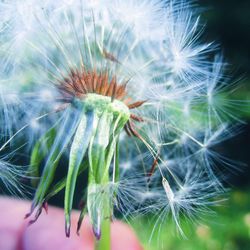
(121, 92)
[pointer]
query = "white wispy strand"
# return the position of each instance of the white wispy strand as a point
(10, 174)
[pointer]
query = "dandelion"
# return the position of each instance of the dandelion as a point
(114, 87)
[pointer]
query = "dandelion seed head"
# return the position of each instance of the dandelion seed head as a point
(125, 89)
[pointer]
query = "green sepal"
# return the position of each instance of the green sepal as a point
(78, 148)
(60, 185)
(109, 156)
(117, 169)
(84, 211)
(113, 147)
(98, 144)
(39, 152)
(60, 142)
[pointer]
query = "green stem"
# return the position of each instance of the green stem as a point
(105, 242)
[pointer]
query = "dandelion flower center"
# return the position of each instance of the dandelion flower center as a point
(99, 91)
(101, 103)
